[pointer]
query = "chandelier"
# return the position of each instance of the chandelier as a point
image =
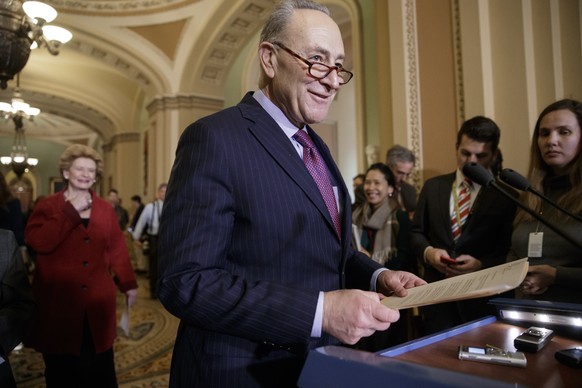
(24, 26)
(18, 111)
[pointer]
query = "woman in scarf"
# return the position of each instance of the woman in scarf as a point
(382, 229)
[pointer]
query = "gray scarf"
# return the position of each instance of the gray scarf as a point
(384, 221)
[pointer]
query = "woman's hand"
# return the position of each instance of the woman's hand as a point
(539, 278)
(80, 201)
(131, 296)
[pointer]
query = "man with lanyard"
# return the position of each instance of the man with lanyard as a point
(460, 227)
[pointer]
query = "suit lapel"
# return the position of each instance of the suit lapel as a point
(273, 139)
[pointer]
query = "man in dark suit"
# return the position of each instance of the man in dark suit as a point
(16, 303)
(401, 161)
(484, 238)
(251, 259)
(120, 212)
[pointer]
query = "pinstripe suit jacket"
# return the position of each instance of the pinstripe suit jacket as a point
(16, 303)
(246, 244)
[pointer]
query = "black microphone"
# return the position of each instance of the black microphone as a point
(477, 173)
(484, 177)
(517, 181)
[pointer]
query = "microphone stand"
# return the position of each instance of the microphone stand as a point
(479, 174)
(517, 181)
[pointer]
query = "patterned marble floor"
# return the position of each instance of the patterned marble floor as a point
(142, 359)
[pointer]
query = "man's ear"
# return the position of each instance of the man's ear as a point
(268, 59)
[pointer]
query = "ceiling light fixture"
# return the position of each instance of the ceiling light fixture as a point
(23, 26)
(18, 111)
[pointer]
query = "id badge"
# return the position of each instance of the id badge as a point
(534, 247)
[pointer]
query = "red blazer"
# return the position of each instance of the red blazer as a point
(74, 274)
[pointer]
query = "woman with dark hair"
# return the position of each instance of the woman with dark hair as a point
(555, 170)
(384, 230)
(382, 226)
(79, 251)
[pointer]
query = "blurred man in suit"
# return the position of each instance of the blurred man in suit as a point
(476, 233)
(120, 212)
(254, 254)
(16, 303)
(401, 161)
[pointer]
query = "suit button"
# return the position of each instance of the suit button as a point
(87, 240)
(85, 263)
(84, 287)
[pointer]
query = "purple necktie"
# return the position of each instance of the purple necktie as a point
(318, 170)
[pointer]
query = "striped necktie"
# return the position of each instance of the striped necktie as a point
(318, 170)
(462, 208)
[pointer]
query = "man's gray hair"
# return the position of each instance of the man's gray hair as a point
(399, 154)
(279, 18)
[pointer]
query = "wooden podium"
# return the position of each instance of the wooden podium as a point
(432, 361)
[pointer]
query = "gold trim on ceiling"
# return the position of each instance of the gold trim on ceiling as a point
(118, 7)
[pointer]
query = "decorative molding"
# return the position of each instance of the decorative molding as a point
(458, 58)
(116, 6)
(112, 60)
(236, 33)
(125, 137)
(413, 88)
(183, 101)
(107, 147)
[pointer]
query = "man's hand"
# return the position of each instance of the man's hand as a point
(396, 282)
(466, 264)
(350, 315)
(433, 257)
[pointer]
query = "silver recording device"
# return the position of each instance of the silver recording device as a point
(492, 355)
(533, 339)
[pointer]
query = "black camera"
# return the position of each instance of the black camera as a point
(533, 339)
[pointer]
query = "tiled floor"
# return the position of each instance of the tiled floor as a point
(142, 359)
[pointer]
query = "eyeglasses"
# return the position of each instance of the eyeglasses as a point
(320, 70)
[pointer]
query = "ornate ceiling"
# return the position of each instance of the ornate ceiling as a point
(124, 53)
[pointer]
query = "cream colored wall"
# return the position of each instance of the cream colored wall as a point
(523, 64)
(437, 80)
(450, 60)
(168, 117)
(121, 159)
(376, 66)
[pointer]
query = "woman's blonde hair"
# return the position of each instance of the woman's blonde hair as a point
(76, 151)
